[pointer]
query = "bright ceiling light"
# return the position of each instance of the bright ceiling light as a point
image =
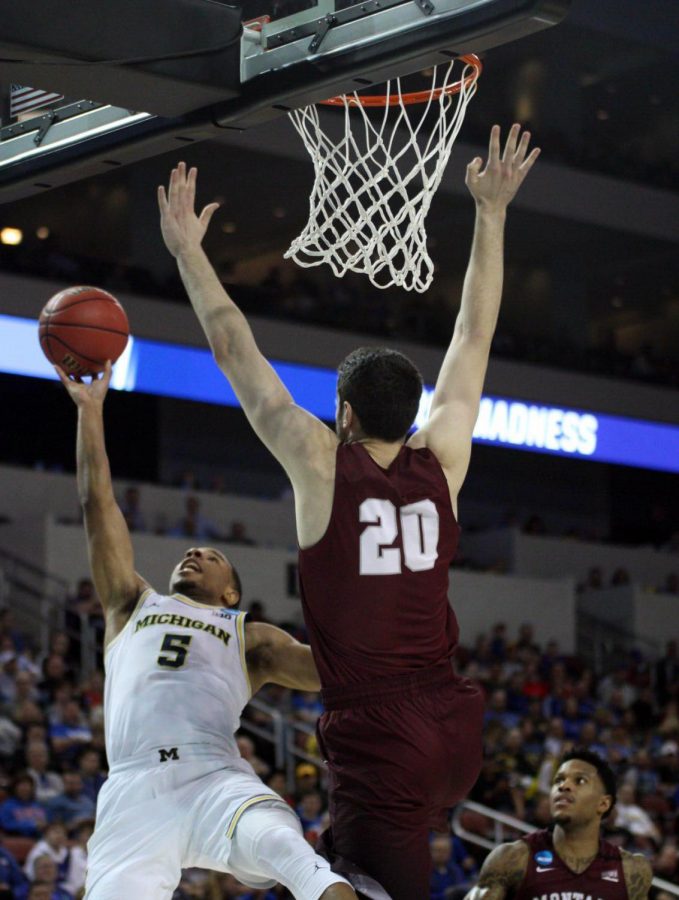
(11, 236)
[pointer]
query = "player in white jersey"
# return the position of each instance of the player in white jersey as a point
(179, 670)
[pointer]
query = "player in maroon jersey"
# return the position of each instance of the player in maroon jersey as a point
(377, 528)
(571, 862)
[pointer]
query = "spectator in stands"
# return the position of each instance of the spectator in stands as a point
(193, 524)
(246, 747)
(667, 673)
(93, 778)
(666, 863)
(46, 878)
(85, 601)
(73, 805)
(526, 639)
(77, 867)
(53, 843)
(671, 584)
(615, 686)
(237, 534)
(534, 525)
(21, 814)
(278, 782)
(131, 510)
(498, 642)
(631, 817)
(497, 710)
(307, 706)
(92, 691)
(9, 630)
(446, 874)
(12, 879)
(620, 577)
(54, 675)
(257, 612)
(71, 734)
(306, 779)
(310, 812)
(594, 580)
(10, 738)
(48, 784)
(25, 690)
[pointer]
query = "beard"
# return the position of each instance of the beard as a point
(563, 819)
(183, 585)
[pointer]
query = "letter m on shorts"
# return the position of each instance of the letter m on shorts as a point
(172, 753)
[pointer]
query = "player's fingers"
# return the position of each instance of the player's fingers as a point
(522, 148)
(207, 213)
(62, 376)
(173, 189)
(529, 162)
(106, 374)
(510, 146)
(494, 145)
(162, 199)
(190, 190)
(474, 168)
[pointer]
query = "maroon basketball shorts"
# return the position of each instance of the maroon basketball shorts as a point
(400, 753)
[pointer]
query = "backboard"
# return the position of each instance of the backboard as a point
(116, 82)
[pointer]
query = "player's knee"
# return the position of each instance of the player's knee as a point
(282, 853)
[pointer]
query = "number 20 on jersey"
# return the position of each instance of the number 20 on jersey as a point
(419, 526)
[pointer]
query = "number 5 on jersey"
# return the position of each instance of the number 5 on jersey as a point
(419, 526)
(178, 646)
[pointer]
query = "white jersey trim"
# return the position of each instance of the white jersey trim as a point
(240, 631)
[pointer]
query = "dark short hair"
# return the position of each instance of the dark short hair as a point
(604, 771)
(383, 387)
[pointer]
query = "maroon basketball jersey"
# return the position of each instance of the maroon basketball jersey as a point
(375, 587)
(549, 878)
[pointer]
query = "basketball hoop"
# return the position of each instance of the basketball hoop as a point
(373, 188)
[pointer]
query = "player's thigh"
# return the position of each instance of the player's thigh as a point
(135, 853)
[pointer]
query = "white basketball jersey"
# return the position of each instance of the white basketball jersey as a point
(176, 674)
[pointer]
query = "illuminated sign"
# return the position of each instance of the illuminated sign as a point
(189, 373)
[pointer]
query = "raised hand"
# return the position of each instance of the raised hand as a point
(181, 228)
(496, 185)
(84, 394)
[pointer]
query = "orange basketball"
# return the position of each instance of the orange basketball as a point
(82, 327)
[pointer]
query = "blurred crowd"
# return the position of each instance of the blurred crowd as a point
(540, 702)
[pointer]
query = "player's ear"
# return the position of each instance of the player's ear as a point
(231, 597)
(347, 414)
(605, 804)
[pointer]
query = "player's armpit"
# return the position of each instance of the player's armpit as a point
(272, 655)
(502, 871)
(638, 875)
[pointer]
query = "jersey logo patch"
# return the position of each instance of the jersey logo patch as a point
(172, 753)
(544, 858)
(610, 875)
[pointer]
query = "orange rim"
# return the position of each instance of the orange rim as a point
(469, 59)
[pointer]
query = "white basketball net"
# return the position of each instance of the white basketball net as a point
(372, 190)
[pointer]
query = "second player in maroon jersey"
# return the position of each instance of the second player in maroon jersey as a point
(570, 861)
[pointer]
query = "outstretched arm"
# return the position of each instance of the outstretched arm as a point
(455, 403)
(293, 435)
(274, 655)
(502, 872)
(108, 538)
